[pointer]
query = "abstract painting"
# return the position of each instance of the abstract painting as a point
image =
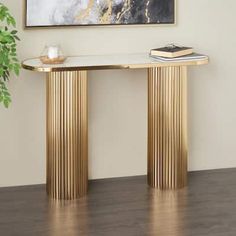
(98, 12)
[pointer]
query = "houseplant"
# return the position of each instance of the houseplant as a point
(8, 56)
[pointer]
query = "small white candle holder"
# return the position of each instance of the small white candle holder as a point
(52, 54)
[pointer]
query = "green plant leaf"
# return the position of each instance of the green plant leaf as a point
(9, 62)
(16, 37)
(6, 103)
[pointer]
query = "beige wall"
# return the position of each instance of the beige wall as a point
(118, 99)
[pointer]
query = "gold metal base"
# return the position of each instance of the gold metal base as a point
(167, 127)
(67, 132)
(67, 139)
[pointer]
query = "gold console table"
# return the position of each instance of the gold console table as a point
(67, 120)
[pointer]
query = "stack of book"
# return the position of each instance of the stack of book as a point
(175, 53)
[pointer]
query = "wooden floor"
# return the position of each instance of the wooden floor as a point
(126, 207)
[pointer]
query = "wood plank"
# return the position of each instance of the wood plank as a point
(126, 207)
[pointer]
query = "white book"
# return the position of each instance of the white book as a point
(191, 57)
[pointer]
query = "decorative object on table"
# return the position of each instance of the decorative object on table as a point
(190, 57)
(101, 12)
(171, 51)
(52, 54)
(8, 57)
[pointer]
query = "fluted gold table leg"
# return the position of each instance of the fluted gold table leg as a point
(167, 127)
(67, 139)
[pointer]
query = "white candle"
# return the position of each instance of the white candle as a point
(53, 52)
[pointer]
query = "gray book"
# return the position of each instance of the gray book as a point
(190, 57)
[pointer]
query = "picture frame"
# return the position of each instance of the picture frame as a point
(33, 17)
